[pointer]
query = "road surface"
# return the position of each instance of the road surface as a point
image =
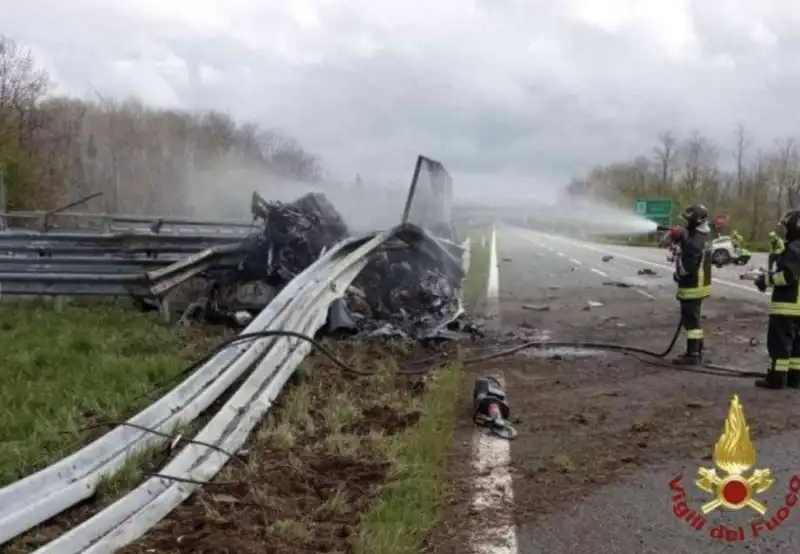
(602, 436)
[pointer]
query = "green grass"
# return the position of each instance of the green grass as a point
(62, 370)
(476, 280)
(412, 503)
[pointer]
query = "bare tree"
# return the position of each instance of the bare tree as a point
(786, 174)
(666, 155)
(742, 143)
(698, 164)
(142, 159)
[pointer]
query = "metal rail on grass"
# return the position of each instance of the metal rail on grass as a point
(121, 264)
(301, 306)
(119, 222)
(48, 492)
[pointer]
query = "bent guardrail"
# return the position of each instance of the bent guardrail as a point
(301, 306)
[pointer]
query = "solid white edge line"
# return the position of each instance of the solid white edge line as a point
(594, 270)
(492, 484)
(493, 282)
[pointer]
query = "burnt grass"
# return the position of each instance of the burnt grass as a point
(312, 468)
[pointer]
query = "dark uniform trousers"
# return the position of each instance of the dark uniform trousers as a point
(783, 345)
(693, 274)
(690, 320)
(783, 330)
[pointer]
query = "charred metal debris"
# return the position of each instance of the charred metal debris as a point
(407, 290)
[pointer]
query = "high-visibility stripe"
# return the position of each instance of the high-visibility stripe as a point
(785, 308)
(694, 334)
(794, 363)
(778, 279)
(694, 293)
(781, 364)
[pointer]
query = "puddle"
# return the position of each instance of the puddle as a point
(563, 353)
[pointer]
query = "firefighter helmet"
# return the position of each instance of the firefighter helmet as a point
(789, 225)
(695, 216)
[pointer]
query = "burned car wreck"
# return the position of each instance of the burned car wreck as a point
(407, 289)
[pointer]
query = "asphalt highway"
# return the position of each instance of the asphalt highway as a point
(635, 514)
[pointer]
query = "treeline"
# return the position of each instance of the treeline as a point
(753, 188)
(54, 149)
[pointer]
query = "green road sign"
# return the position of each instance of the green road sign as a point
(658, 210)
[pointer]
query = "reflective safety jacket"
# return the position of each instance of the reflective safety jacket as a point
(785, 280)
(693, 267)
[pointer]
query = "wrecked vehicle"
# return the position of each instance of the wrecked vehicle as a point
(406, 290)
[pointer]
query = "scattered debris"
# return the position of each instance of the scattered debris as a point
(410, 288)
(592, 304)
(608, 258)
(620, 284)
(646, 271)
(506, 259)
(536, 307)
(640, 426)
(579, 418)
(696, 404)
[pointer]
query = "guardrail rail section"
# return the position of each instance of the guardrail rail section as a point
(302, 306)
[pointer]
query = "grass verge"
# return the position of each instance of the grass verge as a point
(343, 463)
(65, 370)
(476, 280)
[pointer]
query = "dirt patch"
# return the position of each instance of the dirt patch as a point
(584, 422)
(313, 468)
(386, 419)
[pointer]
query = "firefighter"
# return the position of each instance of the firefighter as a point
(783, 331)
(693, 276)
(776, 247)
(737, 240)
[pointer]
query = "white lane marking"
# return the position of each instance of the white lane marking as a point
(599, 272)
(493, 485)
(493, 282)
(647, 262)
(560, 254)
(494, 494)
(645, 294)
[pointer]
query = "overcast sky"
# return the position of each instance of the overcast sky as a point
(524, 92)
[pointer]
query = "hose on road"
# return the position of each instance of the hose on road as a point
(641, 354)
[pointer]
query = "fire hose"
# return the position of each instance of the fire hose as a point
(490, 402)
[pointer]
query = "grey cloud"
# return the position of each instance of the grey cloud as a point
(520, 92)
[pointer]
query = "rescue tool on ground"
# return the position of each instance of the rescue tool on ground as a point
(693, 277)
(490, 407)
(783, 330)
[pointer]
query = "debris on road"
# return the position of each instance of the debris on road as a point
(608, 258)
(646, 271)
(620, 284)
(536, 307)
(592, 304)
(506, 259)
